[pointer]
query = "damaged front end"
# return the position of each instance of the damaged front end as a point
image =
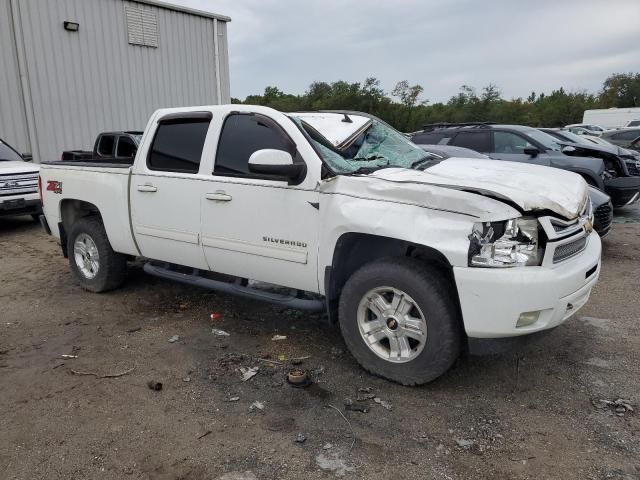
(510, 243)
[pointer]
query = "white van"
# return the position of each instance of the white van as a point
(611, 117)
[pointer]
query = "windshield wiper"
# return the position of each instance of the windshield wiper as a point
(366, 170)
(418, 163)
(369, 158)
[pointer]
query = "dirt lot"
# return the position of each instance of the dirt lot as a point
(520, 415)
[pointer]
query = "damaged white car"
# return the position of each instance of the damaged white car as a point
(413, 258)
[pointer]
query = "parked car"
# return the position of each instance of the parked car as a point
(411, 259)
(586, 129)
(632, 123)
(448, 151)
(631, 158)
(18, 183)
(109, 146)
(626, 137)
(529, 145)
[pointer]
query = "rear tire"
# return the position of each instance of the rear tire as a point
(400, 321)
(94, 263)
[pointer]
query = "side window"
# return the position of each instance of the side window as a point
(478, 141)
(243, 134)
(177, 145)
(630, 135)
(507, 142)
(126, 147)
(106, 145)
(427, 138)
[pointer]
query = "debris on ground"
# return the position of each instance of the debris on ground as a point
(327, 446)
(298, 378)
(68, 356)
(153, 385)
(220, 333)
(232, 399)
(106, 375)
(332, 462)
(256, 406)
(276, 338)
(382, 403)
(204, 434)
(215, 316)
(300, 438)
(248, 372)
(470, 446)
(231, 358)
(134, 330)
(365, 394)
(620, 406)
(355, 407)
(186, 379)
(174, 339)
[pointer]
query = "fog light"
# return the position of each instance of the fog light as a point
(527, 318)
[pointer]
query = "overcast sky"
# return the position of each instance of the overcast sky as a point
(521, 46)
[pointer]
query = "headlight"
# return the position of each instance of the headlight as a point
(512, 243)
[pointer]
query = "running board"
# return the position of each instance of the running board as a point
(234, 288)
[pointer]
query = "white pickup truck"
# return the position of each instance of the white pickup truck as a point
(18, 184)
(414, 257)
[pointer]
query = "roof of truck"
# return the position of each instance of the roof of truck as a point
(338, 128)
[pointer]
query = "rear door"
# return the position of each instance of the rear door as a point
(165, 198)
(478, 140)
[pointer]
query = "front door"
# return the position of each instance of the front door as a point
(510, 146)
(165, 198)
(255, 227)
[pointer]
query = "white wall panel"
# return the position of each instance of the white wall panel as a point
(85, 82)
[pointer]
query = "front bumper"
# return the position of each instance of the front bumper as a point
(492, 299)
(19, 206)
(623, 190)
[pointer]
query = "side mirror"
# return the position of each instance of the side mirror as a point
(275, 162)
(531, 151)
(27, 157)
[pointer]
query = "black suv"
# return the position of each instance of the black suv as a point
(517, 143)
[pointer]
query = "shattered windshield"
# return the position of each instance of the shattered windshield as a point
(379, 146)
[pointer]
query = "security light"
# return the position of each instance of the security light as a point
(71, 26)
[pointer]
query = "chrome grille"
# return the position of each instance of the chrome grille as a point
(568, 250)
(18, 184)
(603, 216)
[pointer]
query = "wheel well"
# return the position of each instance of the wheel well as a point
(70, 211)
(353, 250)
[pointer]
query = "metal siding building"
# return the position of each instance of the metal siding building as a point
(60, 88)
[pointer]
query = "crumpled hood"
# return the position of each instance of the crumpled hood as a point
(17, 167)
(530, 187)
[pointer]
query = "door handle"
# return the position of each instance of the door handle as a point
(218, 197)
(147, 188)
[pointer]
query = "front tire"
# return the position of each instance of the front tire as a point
(400, 321)
(94, 263)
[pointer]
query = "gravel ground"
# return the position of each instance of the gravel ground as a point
(523, 415)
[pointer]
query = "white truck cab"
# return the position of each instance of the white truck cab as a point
(412, 257)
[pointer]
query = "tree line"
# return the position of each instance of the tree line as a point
(406, 109)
